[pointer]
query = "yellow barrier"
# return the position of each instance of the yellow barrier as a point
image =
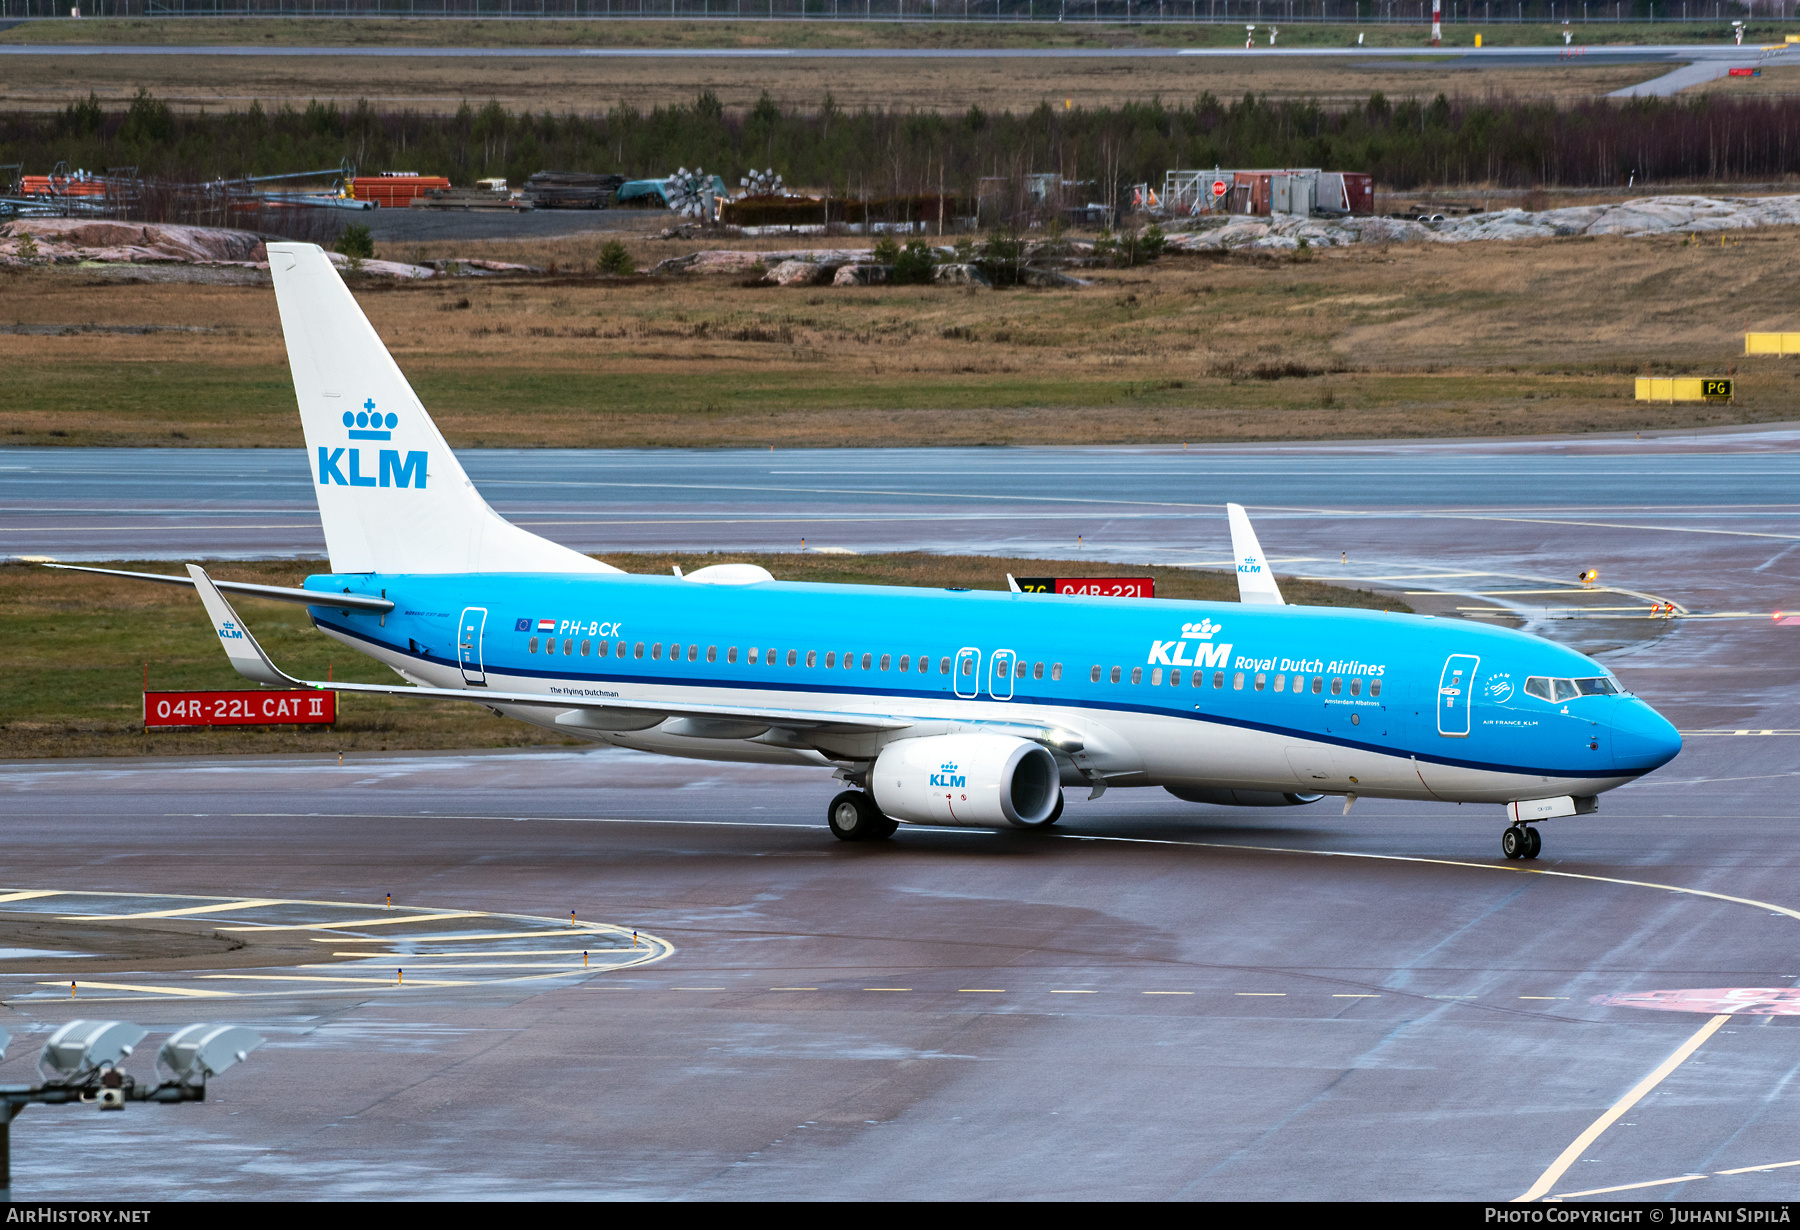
(1682, 388)
(1772, 343)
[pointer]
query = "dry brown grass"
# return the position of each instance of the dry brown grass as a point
(1419, 340)
(84, 644)
(592, 86)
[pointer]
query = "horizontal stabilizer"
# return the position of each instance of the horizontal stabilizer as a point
(275, 593)
(1256, 582)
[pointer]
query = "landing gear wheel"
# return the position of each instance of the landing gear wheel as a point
(853, 816)
(1534, 841)
(1514, 843)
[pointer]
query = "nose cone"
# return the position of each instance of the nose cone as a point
(1642, 738)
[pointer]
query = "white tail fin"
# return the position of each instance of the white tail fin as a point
(1256, 581)
(391, 494)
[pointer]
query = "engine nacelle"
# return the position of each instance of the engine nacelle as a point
(973, 781)
(1240, 798)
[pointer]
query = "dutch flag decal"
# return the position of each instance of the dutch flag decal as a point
(546, 625)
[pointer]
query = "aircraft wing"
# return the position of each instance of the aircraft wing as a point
(253, 662)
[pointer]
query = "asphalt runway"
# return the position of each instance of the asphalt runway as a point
(1209, 1003)
(1159, 1001)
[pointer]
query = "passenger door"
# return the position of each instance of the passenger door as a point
(468, 645)
(1456, 689)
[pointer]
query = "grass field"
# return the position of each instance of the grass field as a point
(83, 646)
(393, 32)
(1531, 337)
(583, 86)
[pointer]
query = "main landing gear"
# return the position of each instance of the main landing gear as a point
(853, 816)
(1521, 841)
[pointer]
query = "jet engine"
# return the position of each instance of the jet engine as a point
(1240, 798)
(973, 781)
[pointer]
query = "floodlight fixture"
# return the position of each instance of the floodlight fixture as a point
(200, 1051)
(81, 1048)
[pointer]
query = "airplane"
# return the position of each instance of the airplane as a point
(939, 707)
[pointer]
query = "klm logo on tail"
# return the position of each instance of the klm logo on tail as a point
(392, 470)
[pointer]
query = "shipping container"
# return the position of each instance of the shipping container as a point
(389, 191)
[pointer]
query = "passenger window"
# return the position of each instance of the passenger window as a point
(712, 653)
(731, 654)
(1281, 683)
(1021, 671)
(1199, 679)
(1218, 679)
(830, 659)
(1356, 687)
(1155, 677)
(1374, 687)
(534, 644)
(619, 650)
(769, 658)
(637, 650)
(1318, 685)
(905, 663)
(656, 651)
(1093, 675)
(887, 661)
(1565, 689)
(754, 651)
(675, 652)
(1175, 679)
(1115, 674)
(601, 648)
(1237, 682)
(549, 644)
(1137, 675)
(1261, 679)
(812, 658)
(1299, 683)
(693, 653)
(968, 663)
(1056, 673)
(1337, 687)
(943, 666)
(1037, 670)
(793, 657)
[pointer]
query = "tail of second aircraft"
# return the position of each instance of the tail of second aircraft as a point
(392, 496)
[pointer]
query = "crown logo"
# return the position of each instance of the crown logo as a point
(368, 423)
(1203, 630)
(947, 767)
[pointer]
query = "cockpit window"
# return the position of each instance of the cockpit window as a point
(1556, 690)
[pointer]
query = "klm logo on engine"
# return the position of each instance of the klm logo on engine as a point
(1206, 654)
(343, 466)
(947, 776)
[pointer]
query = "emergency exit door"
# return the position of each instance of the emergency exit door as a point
(1456, 688)
(468, 644)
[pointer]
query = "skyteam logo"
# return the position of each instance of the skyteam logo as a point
(948, 777)
(370, 423)
(1195, 637)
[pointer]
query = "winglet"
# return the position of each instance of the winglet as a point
(247, 657)
(1256, 582)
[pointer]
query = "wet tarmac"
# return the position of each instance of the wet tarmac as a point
(1155, 1000)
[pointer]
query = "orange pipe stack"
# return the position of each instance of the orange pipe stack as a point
(390, 191)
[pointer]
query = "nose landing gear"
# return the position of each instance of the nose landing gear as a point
(853, 816)
(1521, 841)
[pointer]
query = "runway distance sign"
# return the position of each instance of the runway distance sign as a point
(287, 708)
(1091, 587)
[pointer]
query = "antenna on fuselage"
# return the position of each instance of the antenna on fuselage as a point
(1256, 581)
